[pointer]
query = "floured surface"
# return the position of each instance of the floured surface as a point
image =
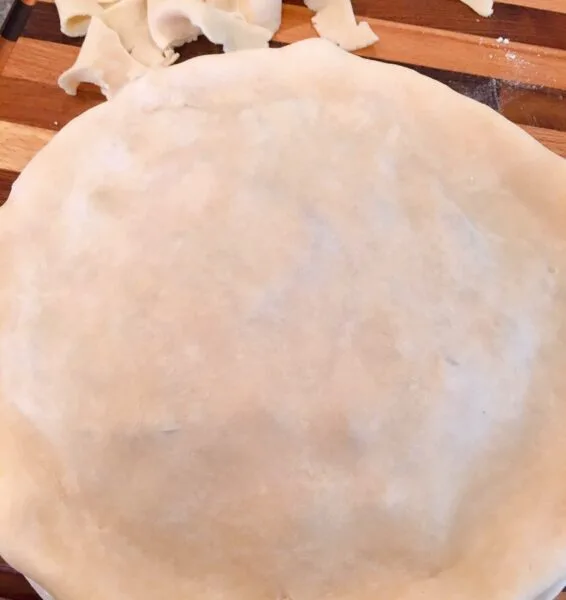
(250, 371)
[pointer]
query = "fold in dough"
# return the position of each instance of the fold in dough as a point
(173, 21)
(168, 26)
(128, 18)
(482, 7)
(102, 61)
(75, 15)
(335, 21)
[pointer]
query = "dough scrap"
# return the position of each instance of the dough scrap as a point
(128, 18)
(335, 21)
(173, 22)
(482, 7)
(168, 25)
(75, 15)
(102, 61)
(271, 328)
(265, 13)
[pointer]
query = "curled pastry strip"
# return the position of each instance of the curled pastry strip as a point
(482, 7)
(128, 18)
(75, 15)
(172, 22)
(335, 21)
(102, 61)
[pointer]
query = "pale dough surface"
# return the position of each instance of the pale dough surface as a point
(271, 328)
(103, 61)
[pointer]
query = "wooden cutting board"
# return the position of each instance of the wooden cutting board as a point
(514, 62)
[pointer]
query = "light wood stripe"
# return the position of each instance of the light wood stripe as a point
(39, 61)
(411, 44)
(20, 143)
(6, 47)
(551, 5)
(553, 140)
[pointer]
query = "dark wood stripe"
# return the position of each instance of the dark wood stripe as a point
(532, 106)
(520, 24)
(482, 89)
(17, 20)
(198, 48)
(7, 178)
(4, 566)
(43, 24)
(42, 105)
(15, 587)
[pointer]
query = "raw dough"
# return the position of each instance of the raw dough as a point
(265, 13)
(75, 15)
(128, 18)
(174, 22)
(271, 328)
(103, 60)
(335, 21)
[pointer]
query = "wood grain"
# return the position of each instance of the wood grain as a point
(6, 47)
(20, 143)
(554, 140)
(19, 100)
(32, 60)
